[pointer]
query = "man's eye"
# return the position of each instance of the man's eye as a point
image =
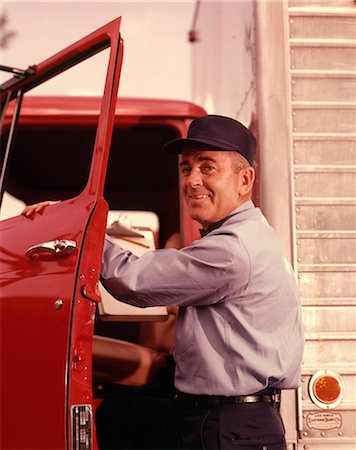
(206, 168)
(185, 170)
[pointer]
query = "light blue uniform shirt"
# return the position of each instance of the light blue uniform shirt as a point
(239, 326)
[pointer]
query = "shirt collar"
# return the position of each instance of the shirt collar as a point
(246, 205)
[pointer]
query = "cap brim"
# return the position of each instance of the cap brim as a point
(177, 145)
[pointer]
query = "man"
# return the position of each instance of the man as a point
(239, 338)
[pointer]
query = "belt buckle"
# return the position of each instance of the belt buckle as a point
(276, 398)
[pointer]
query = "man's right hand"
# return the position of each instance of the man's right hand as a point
(37, 208)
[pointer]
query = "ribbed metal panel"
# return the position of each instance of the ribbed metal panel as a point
(323, 97)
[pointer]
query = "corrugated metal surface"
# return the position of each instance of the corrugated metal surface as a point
(322, 37)
(313, 114)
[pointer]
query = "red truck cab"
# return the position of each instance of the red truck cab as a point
(93, 154)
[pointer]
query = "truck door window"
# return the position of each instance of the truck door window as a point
(52, 160)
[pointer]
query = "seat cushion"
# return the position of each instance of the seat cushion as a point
(126, 363)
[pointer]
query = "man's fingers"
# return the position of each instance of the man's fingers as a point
(28, 211)
(40, 207)
(36, 208)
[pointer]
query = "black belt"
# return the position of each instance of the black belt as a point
(214, 401)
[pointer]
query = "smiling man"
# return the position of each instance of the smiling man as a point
(239, 338)
(214, 183)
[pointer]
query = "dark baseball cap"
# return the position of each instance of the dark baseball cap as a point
(217, 133)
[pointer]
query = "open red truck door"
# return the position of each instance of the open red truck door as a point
(52, 263)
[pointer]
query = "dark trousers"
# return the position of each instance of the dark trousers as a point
(142, 422)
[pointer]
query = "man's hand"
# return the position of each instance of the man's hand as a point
(37, 208)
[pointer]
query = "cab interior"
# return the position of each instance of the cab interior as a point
(53, 162)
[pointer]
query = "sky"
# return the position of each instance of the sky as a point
(157, 56)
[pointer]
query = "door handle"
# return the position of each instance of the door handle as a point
(58, 247)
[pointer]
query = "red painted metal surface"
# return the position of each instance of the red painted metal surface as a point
(45, 369)
(85, 110)
(85, 302)
(34, 333)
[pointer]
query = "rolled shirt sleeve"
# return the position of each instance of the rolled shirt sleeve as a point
(201, 274)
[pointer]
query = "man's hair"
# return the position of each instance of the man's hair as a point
(239, 162)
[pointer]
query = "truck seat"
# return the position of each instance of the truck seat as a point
(126, 363)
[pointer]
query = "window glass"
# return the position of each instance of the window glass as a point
(51, 154)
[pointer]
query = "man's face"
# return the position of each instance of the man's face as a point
(211, 186)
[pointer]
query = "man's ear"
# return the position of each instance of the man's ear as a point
(247, 180)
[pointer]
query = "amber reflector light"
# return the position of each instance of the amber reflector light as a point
(327, 389)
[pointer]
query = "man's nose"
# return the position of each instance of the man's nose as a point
(195, 178)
